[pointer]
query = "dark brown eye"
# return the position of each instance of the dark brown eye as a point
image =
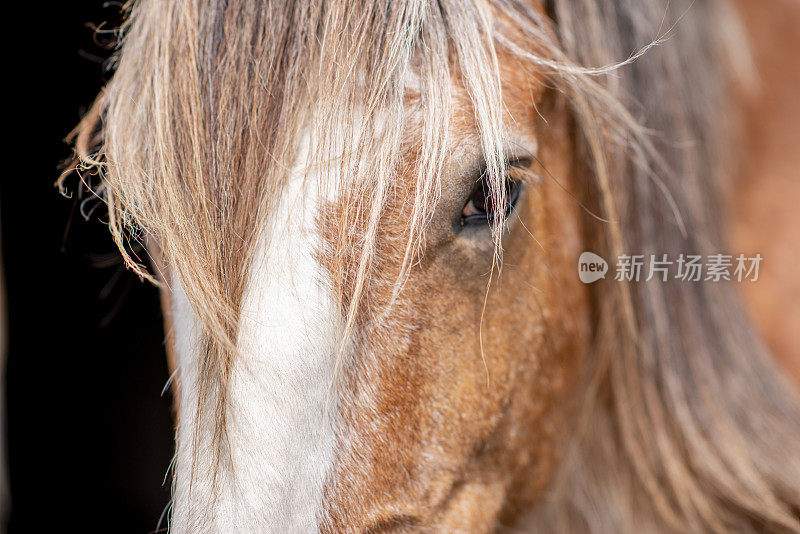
(480, 207)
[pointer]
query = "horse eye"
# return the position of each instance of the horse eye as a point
(480, 207)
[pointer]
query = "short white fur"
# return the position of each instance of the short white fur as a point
(280, 411)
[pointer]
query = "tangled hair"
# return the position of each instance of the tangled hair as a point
(687, 424)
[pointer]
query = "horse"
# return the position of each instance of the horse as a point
(365, 220)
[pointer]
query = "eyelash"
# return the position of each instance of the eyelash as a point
(478, 208)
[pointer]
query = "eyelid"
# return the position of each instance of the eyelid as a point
(520, 164)
(522, 169)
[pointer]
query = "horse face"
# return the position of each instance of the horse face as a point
(449, 407)
(321, 384)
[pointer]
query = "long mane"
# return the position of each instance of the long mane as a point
(688, 425)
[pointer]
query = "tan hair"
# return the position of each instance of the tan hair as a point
(688, 426)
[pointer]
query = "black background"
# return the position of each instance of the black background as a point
(89, 433)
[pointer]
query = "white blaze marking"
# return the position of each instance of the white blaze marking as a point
(281, 441)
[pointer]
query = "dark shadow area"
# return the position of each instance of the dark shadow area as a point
(89, 433)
